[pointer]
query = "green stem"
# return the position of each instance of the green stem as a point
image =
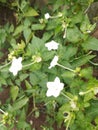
(93, 63)
(4, 65)
(53, 17)
(47, 103)
(83, 93)
(34, 102)
(2, 111)
(66, 96)
(65, 68)
(28, 64)
(65, 33)
(86, 9)
(68, 123)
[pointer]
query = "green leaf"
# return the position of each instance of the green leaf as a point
(27, 22)
(3, 127)
(77, 18)
(88, 96)
(36, 45)
(92, 111)
(23, 115)
(47, 55)
(18, 30)
(47, 36)
(19, 104)
(65, 108)
(3, 80)
(27, 34)
(14, 92)
(3, 1)
(2, 35)
(73, 35)
(38, 26)
(23, 125)
(87, 72)
(34, 79)
(37, 114)
(91, 44)
(70, 51)
(86, 26)
(52, 24)
(96, 120)
(28, 85)
(68, 74)
(82, 60)
(57, 4)
(38, 77)
(31, 12)
(23, 77)
(35, 66)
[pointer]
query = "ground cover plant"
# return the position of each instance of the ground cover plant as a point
(46, 63)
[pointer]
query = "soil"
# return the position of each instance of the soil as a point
(7, 15)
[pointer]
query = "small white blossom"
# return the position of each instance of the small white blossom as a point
(16, 65)
(81, 93)
(53, 62)
(54, 88)
(52, 45)
(88, 31)
(60, 14)
(64, 35)
(36, 58)
(47, 16)
(95, 91)
(73, 104)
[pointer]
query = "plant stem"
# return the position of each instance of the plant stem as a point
(64, 67)
(28, 64)
(4, 65)
(83, 93)
(93, 63)
(2, 111)
(68, 123)
(34, 102)
(66, 96)
(47, 103)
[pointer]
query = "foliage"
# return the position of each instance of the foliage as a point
(68, 25)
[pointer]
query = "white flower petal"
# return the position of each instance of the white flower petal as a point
(48, 94)
(53, 62)
(52, 45)
(16, 65)
(54, 88)
(57, 80)
(95, 91)
(73, 104)
(56, 94)
(47, 16)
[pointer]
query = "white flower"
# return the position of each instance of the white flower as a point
(81, 93)
(54, 88)
(73, 104)
(47, 16)
(52, 45)
(53, 62)
(95, 91)
(16, 65)
(60, 14)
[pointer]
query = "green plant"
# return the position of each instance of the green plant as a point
(49, 55)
